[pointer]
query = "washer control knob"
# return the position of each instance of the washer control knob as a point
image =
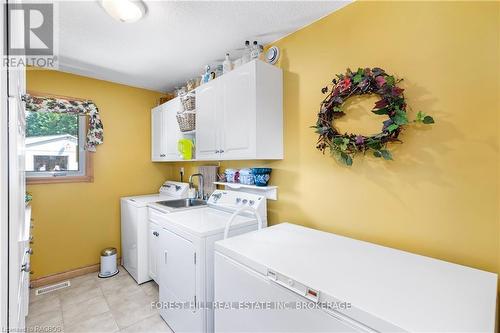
(290, 282)
(245, 201)
(217, 196)
(238, 200)
(251, 202)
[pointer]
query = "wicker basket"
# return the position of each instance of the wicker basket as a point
(188, 101)
(187, 121)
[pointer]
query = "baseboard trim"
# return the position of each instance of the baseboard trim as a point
(58, 277)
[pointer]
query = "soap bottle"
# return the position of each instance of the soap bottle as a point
(246, 53)
(255, 51)
(261, 52)
(227, 65)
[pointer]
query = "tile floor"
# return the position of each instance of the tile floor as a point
(91, 304)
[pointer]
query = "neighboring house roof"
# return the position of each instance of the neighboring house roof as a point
(36, 140)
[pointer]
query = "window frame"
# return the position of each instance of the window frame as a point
(83, 175)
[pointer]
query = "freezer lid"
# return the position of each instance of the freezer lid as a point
(384, 287)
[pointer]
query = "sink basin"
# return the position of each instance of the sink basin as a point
(183, 203)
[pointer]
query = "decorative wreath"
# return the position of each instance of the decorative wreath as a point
(392, 103)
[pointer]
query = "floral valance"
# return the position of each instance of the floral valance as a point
(81, 107)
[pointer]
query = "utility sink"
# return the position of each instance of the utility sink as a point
(183, 203)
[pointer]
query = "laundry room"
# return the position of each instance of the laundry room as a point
(250, 166)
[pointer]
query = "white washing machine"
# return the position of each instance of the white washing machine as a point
(306, 280)
(187, 251)
(134, 227)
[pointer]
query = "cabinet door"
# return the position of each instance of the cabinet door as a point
(207, 145)
(171, 130)
(178, 283)
(153, 251)
(238, 113)
(157, 141)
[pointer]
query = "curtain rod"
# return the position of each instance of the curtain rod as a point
(42, 94)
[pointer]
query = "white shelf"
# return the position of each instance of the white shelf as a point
(271, 192)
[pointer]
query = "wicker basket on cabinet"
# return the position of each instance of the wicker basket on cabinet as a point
(187, 121)
(188, 101)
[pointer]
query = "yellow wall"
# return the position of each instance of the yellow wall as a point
(439, 197)
(73, 222)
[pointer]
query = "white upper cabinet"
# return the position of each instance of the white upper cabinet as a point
(165, 132)
(172, 131)
(240, 114)
(156, 134)
(207, 145)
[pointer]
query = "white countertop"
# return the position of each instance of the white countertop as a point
(410, 291)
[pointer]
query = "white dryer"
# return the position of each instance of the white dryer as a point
(134, 227)
(187, 250)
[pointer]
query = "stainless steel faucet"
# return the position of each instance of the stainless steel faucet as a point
(201, 194)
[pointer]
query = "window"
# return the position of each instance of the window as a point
(50, 162)
(55, 148)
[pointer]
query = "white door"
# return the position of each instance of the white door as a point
(154, 248)
(171, 129)
(13, 236)
(157, 141)
(239, 114)
(207, 127)
(178, 283)
(18, 240)
(4, 190)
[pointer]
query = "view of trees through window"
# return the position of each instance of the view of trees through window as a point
(48, 123)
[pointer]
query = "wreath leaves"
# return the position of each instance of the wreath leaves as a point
(392, 104)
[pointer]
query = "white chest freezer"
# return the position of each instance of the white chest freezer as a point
(289, 278)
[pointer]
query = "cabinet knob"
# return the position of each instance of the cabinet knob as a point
(26, 268)
(29, 251)
(156, 233)
(221, 151)
(217, 151)
(162, 155)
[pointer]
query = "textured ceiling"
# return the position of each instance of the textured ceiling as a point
(175, 39)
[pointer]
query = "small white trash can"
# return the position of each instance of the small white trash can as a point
(108, 263)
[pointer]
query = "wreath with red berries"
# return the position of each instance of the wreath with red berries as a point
(391, 104)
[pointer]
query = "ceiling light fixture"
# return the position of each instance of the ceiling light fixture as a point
(125, 10)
